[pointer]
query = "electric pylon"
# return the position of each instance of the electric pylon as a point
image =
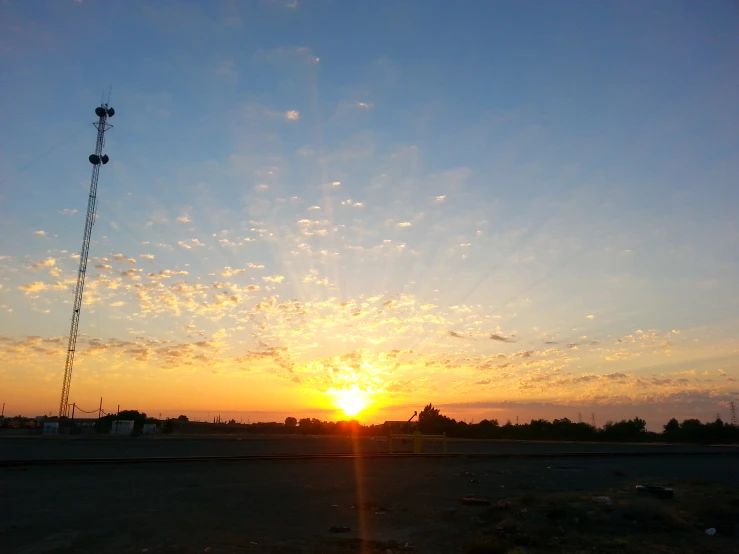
(103, 112)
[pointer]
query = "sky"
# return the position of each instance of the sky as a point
(506, 209)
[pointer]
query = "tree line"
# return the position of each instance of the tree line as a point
(432, 422)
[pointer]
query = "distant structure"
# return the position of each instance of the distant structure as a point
(402, 426)
(592, 419)
(732, 407)
(579, 417)
(104, 111)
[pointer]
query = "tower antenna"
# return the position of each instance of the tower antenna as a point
(732, 409)
(103, 111)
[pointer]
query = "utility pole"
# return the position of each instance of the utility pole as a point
(100, 409)
(3, 412)
(103, 112)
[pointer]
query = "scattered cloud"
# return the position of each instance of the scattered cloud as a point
(404, 224)
(184, 219)
(43, 264)
(190, 243)
(67, 211)
(590, 316)
(40, 233)
(292, 115)
(146, 256)
(165, 274)
(229, 272)
(501, 338)
(226, 68)
(274, 279)
(39, 286)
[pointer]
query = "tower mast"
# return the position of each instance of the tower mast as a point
(103, 112)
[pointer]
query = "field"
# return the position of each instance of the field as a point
(359, 505)
(36, 447)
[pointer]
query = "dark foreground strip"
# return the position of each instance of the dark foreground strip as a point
(369, 455)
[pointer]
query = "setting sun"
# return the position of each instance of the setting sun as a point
(350, 401)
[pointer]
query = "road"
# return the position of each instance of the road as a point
(36, 447)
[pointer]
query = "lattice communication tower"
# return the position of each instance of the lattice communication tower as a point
(103, 111)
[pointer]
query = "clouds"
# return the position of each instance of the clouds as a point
(40, 286)
(336, 228)
(190, 243)
(43, 264)
(226, 69)
(229, 272)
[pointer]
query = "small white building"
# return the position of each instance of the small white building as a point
(149, 429)
(122, 427)
(50, 428)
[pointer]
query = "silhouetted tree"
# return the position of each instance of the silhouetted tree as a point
(182, 418)
(671, 429)
(291, 422)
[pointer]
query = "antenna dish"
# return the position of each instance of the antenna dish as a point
(105, 159)
(100, 111)
(111, 112)
(94, 159)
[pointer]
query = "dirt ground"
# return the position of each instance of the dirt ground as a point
(372, 506)
(103, 446)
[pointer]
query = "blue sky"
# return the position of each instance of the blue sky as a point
(483, 202)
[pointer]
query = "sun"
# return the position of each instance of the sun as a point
(350, 401)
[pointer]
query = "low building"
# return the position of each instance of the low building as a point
(50, 428)
(149, 429)
(122, 427)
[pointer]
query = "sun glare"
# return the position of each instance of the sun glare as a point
(350, 401)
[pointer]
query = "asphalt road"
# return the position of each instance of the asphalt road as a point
(37, 447)
(259, 506)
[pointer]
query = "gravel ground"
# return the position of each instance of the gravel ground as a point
(379, 505)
